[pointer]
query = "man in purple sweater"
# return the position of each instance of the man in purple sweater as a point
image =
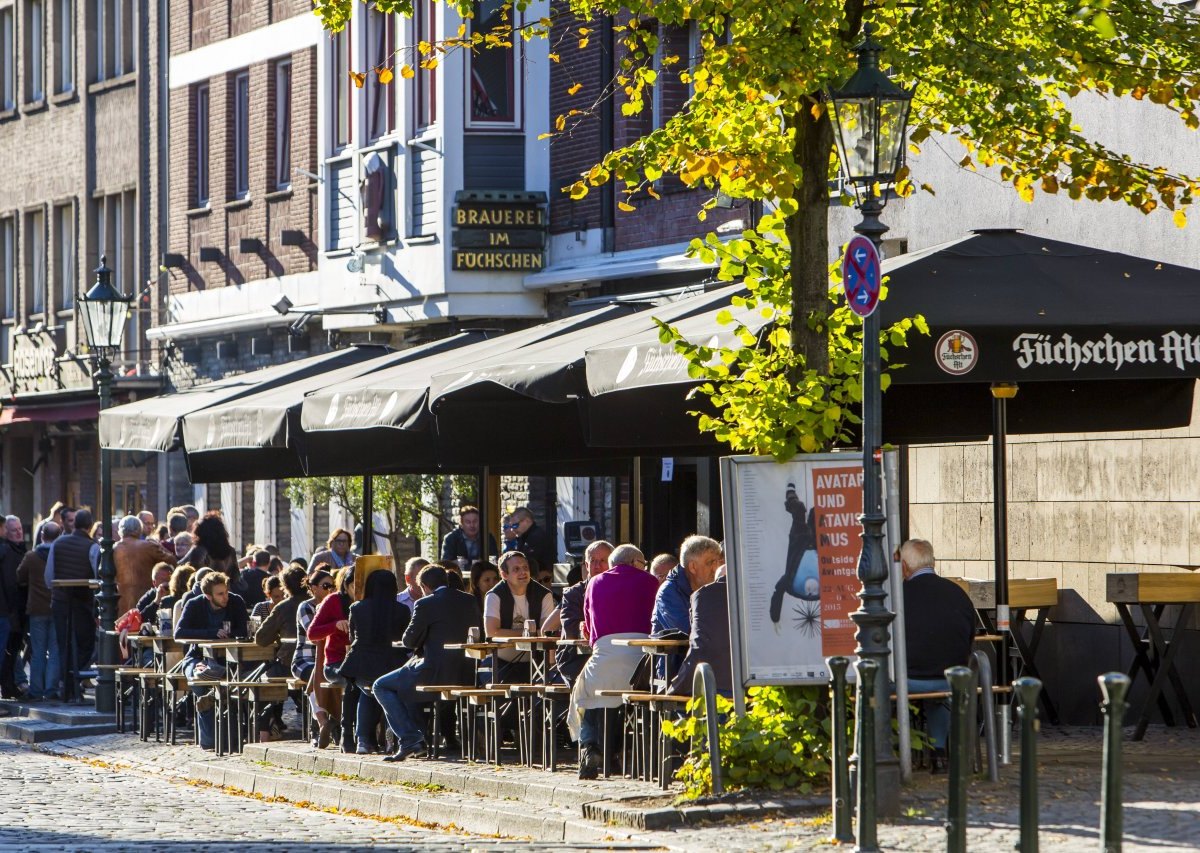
(618, 605)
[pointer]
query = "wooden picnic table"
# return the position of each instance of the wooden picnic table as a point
(1024, 594)
(1154, 650)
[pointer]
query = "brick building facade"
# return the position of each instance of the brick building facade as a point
(79, 91)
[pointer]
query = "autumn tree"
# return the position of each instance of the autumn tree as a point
(999, 76)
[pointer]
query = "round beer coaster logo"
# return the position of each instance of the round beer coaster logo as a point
(956, 352)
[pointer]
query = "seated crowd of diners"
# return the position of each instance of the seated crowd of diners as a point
(358, 665)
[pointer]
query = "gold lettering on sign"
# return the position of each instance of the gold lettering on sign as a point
(498, 238)
(497, 260)
(483, 217)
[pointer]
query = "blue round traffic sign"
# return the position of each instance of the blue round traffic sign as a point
(861, 276)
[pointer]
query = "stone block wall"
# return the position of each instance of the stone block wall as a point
(1079, 507)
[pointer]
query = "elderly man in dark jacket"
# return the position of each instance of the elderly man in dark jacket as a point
(709, 640)
(441, 616)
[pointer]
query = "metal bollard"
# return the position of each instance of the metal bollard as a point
(704, 683)
(1027, 691)
(867, 841)
(962, 699)
(1114, 686)
(841, 758)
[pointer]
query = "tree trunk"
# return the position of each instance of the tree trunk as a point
(808, 234)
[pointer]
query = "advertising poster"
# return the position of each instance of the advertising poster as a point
(792, 546)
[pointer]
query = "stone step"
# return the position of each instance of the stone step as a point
(434, 806)
(33, 730)
(57, 712)
(555, 789)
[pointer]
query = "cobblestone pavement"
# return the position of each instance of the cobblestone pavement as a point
(122, 791)
(58, 804)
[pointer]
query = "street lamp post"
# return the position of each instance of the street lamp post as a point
(870, 114)
(103, 310)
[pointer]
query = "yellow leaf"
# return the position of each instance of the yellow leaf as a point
(430, 64)
(406, 71)
(650, 190)
(359, 78)
(583, 42)
(560, 123)
(583, 31)
(1050, 184)
(554, 57)
(807, 443)
(1180, 219)
(385, 75)
(1026, 194)
(462, 30)
(628, 208)
(575, 89)
(578, 190)
(424, 47)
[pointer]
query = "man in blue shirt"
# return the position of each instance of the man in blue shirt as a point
(218, 614)
(699, 559)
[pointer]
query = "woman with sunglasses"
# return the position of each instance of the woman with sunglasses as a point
(304, 661)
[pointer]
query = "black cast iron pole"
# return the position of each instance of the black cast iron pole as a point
(1000, 536)
(873, 616)
(106, 693)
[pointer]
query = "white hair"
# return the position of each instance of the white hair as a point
(917, 554)
(593, 545)
(625, 555)
(130, 525)
(695, 546)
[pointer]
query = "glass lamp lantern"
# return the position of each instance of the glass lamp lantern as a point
(104, 310)
(870, 117)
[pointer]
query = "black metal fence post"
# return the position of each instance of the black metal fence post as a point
(1114, 686)
(1027, 690)
(867, 841)
(840, 757)
(962, 695)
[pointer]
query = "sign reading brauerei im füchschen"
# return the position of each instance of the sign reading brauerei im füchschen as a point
(499, 231)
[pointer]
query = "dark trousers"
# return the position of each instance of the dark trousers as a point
(80, 611)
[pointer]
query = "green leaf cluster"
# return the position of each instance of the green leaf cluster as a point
(782, 741)
(767, 400)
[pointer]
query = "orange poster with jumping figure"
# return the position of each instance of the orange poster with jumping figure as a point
(837, 504)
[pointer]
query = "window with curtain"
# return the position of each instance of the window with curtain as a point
(64, 46)
(35, 51)
(425, 80)
(241, 135)
(64, 255)
(283, 124)
(380, 47)
(340, 89)
(493, 77)
(200, 139)
(8, 60)
(35, 261)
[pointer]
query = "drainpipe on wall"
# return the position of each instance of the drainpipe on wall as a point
(608, 137)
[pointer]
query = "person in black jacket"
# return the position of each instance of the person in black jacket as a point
(218, 614)
(464, 541)
(253, 578)
(533, 540)
(940, 622)
(709, 640)
(442, 615)
(375, 623)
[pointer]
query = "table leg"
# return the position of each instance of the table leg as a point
(1166, 661)
(1141, 660)
(1028, 653)
(1165, 649)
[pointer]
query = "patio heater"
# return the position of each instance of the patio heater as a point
(104, 310)
(870, 116)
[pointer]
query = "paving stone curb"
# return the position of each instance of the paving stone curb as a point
(618, 813)
(481, 818)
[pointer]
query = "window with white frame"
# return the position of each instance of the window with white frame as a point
(8, 60)
(283, 124)
(35, 51)
(425, 79)
(678, 49)
(340, 89)
(35, 261)
(241, 135)
(114, 38)
(381, 113)
(64, 46)
(64, 255)
(493, 90)
(200, 140)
